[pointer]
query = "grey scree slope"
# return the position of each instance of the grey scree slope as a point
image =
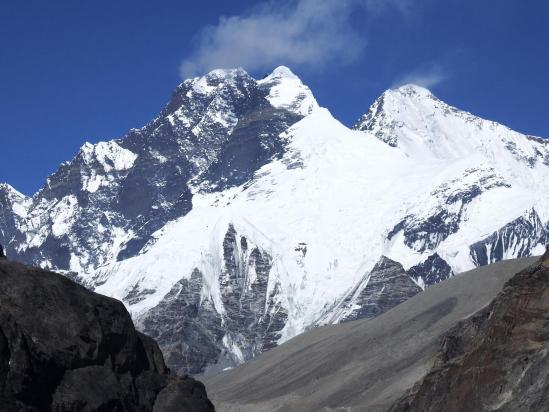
(363, 365)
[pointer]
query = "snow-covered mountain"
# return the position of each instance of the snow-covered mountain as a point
(245, 214)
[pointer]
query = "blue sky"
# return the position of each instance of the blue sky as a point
(76, 71)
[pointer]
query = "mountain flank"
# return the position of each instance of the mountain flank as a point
(250, 213)
(497, 359)
(64, 348)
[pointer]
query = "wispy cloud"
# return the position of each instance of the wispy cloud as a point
(427, 77)
(304, 33)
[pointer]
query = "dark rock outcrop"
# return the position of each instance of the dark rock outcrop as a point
(497, 359)
(189, 330)
(387, 286)
(64, 348)
(433, 270)
(517, 238)
(194, 336)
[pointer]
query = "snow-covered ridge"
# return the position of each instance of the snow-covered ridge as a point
(421, 125)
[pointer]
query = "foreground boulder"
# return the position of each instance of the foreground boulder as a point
(497, 359)
(64, 348)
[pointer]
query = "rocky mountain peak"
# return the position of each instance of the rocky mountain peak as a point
(214, 133)
(8, 189)
(205, 84)
(423, 126)
(412, 91)
(227, 74)
(286, 91)
(404, 107)
(283, 72)
(13, 200)
(216, 91)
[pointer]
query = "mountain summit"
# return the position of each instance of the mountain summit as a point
(286, 91)
(245, 214)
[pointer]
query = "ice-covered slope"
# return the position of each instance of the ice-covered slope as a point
(245, 214)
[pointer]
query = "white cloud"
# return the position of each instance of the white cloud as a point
(305, 33)
(426, 77)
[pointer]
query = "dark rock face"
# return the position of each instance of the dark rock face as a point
(517, 238)
(250, 308)
(376, 122)
(423, 232)
(65, 348)
(188, 329)
(387, 286)
(255, 140)
(497, 359)
(194, 334)
(433, 270)
(214, 133)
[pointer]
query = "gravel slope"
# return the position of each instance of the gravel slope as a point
(364, 365)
